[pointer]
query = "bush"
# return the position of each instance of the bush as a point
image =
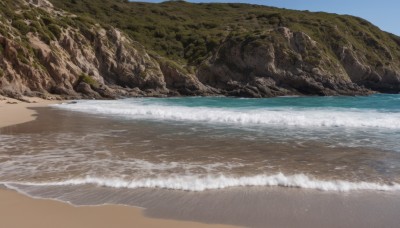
(21, 26)
(88, 80)
(45, 38)
(30, 15)
(56, 30)
(47, 20)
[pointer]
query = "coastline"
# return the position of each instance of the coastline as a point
(51, 213)
(14, 112)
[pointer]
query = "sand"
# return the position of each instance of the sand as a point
(17, 211)
(15, 112)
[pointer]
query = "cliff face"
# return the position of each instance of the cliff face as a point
(281, 62)
(90, 62)
(45, 50)
(381, 77)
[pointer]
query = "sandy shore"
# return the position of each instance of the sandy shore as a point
(18, 211)
(15, 112)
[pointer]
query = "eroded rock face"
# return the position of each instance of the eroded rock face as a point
(95, 63)
(41, 3)
(98, 62)
(283, 63)
(108, 58)
(380, 78)
(184, 83)
(17, 75)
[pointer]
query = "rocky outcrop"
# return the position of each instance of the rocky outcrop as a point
(284, 63)
(104, 59)
(41, 3)
(77, 58)
(380, 78)
(184, 83)
(96, 63)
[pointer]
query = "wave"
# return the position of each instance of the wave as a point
(350, 118)
(198, 184)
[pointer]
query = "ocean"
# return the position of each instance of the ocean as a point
(117, 151)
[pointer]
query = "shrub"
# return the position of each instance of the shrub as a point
(21, 26)
(56, 30)
(88, 80)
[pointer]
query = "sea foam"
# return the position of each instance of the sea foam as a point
(198, 183)
(311, 117)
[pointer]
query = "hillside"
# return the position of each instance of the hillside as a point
(122, 48)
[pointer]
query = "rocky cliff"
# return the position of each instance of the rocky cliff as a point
(48, 50)
(59, 53)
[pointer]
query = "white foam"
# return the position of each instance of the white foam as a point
(197, 183)
(244, 116)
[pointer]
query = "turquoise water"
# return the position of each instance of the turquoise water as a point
(382, 102)
(364, 121)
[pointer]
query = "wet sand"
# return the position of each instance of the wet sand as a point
(19, 211)
(247, 207)
(256, 207)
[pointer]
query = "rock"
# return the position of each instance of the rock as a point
(297, 67)
(91, 61)
(181, 83)
(86, 90)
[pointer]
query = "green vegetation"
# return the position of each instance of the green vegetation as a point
(188, 33)
(88, 80)
(55, 30)
(25, 19)
(21, 26)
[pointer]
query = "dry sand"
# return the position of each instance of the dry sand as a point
(19, 211)
(15, 112)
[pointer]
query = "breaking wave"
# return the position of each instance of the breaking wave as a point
(197, 183)
(298, 117)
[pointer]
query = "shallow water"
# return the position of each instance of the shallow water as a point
(129, 151)
(195, 144)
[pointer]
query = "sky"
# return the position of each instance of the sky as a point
(383, 13)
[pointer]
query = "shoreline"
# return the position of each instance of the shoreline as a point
(66, 206)
(13, 112)
(52, 213)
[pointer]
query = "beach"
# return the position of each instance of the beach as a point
(16, 112)
(198, 113)
(21, 211)
(175, 172)
(18, 210)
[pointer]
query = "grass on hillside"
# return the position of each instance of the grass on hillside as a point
(188, 33)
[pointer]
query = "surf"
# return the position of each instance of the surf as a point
(306, 117)
(215, 182)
